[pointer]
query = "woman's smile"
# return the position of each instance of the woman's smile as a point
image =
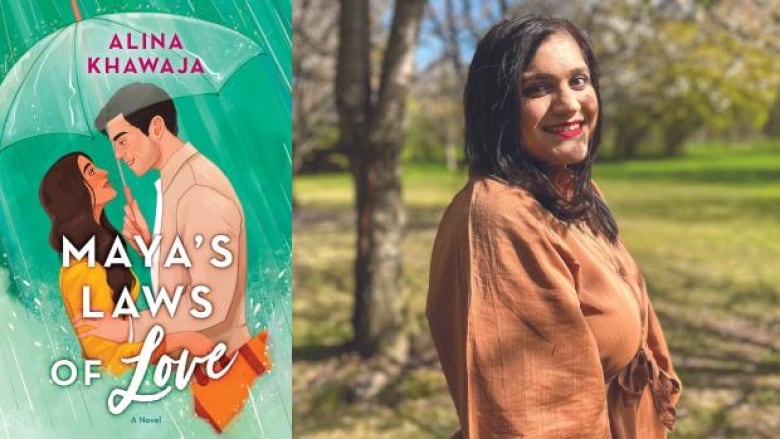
(566, 130)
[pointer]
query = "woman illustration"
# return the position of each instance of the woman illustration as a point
(73, 193)
(539, 314)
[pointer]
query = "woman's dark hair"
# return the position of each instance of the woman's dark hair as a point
(492, 117)
(67, 199)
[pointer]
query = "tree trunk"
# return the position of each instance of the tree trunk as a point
(674, 139)
(374, 132)
(772, 125)
(627, 141)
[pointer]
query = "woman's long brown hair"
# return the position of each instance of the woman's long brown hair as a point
(67, 199)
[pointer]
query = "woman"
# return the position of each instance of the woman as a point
(74, 193)
(540, 316)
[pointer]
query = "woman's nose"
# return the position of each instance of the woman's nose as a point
(566, 101)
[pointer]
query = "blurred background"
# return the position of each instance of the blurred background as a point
(690, 166)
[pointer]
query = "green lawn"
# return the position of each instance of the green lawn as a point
(705, 229)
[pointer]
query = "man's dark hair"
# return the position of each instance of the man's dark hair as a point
(492, 117)
(139, 103)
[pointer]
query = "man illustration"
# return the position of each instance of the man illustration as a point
(195, 202)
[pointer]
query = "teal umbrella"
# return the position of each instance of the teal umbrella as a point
(86, 62)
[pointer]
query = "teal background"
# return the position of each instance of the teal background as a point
(246, 131)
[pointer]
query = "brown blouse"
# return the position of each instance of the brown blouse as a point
(543, 331)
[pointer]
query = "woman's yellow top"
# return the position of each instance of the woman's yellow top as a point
(72, 281)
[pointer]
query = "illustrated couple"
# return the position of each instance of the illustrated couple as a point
(194, 200)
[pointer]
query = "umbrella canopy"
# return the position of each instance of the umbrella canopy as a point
(90, 59)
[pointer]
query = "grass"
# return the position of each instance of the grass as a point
(705, 229)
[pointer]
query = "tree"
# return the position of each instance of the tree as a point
(314, 58)
(672, 69)
(371, 128)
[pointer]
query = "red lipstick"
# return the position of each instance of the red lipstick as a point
(567, 130)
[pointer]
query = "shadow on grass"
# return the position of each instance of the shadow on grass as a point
(727, 349)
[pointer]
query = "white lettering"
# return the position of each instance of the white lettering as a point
(224, 252)
(163, 297)
(178, 255)
(125, 305)
(69, 250)
(185, 368)
(89, 373)
(117, 255)
(148, 252)
(195, 294)
(71, 377)
(86, 297)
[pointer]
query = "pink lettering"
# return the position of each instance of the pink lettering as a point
(166, 67)
(148, 64)
(130, 67)
(158, 40)
(130, 41)
(197, 67)
(175, 42)
(92, 65)
(109, 67)
(183, 68)
(115, 43)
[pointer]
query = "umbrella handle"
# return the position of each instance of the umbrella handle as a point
(75, 7)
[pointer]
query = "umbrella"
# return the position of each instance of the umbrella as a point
(88, 60)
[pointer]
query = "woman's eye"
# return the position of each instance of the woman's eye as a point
(535, 90)
(579, 81)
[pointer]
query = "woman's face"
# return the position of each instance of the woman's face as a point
(558, 105)
(97, 180)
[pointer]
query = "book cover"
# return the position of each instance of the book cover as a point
(145, 219)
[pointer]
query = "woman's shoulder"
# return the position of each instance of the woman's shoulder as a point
(498, 203)
(492, 192)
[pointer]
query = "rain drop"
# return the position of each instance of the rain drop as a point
(10, 325)
(37, 344)
(26, 282)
